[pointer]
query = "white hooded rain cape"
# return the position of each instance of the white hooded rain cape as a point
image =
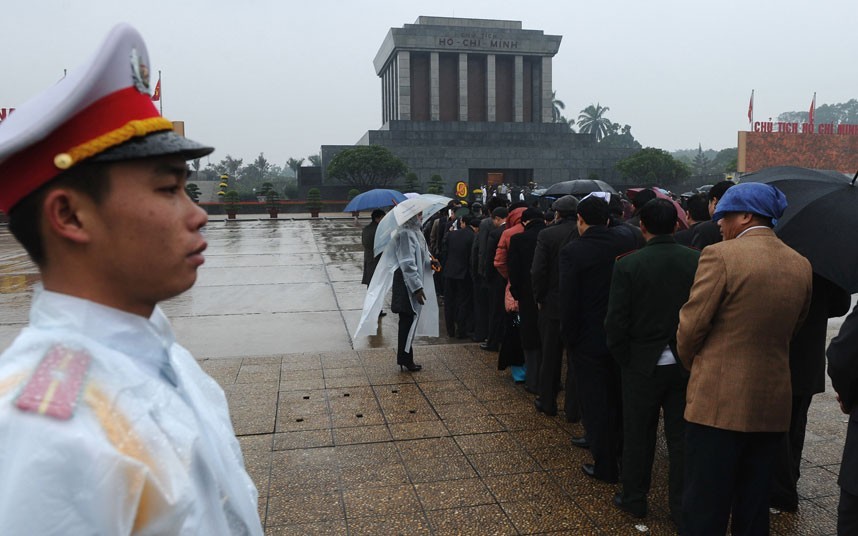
(400, 238)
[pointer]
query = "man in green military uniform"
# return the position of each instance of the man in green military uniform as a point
(648, 288)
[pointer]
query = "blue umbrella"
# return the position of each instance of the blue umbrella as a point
(377, 198)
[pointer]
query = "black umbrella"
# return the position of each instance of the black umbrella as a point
(578, 188)
(821, 214)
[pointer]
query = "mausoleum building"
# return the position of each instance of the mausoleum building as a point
(471, 99)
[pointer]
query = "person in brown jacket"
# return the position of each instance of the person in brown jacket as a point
(750, 294)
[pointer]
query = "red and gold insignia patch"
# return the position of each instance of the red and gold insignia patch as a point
(55, 386)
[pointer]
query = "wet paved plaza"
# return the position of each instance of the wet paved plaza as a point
(339, 441)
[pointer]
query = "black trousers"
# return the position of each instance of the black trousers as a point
(551, 368)
(727, 472)
(458, 307)
(847, 514)
(480, 309)
(497, 311)
(438, 279)
(599, 390)
(403, 357)
(643, 397)
(788, 462)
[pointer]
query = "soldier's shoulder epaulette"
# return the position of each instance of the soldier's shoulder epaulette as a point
(626, 254)
(55, 386)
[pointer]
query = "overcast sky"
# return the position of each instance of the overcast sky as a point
(284, 77)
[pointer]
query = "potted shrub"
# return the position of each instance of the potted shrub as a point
(352, 193)
(193, 192)
(230, 204)
(314, 202)
(272, 199)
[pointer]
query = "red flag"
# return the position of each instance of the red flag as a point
(751, 108)
(156, 96)
(812, 112)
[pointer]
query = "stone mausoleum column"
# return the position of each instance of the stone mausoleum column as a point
(463, 87)
(434, 88)
(518, 90)
(547, 115)
(404, 85)
(491, 89)
(384, 98)
(392, 106)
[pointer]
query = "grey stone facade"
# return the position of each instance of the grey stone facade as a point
(453, 149)
(429, 121)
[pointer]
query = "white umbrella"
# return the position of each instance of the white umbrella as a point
(428, 204)
(409, 195)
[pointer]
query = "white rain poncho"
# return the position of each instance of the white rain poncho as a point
(147, 448)
(406, 250)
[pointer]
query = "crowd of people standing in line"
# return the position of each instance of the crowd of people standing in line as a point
(723, 337)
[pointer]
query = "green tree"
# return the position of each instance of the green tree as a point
(366, 166)
(256, 170)
(195, 165)
(653, 165)
(592, 120)
(354, 192)
(843, 112)
(315, 160)
(412, 183)
(620, 137)
(230, 166)
(294, 165)
(725, 160)
(436, 185)
(557, 107)
(209, 173)
(290, 191)
(701, 164)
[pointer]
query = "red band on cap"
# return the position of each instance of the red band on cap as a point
(25, 171)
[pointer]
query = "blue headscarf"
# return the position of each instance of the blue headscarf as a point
(754, 197)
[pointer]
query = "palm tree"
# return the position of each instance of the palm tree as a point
(294, 164)
(315, 160)
(557, 107)
(593, 121)
(569, 122)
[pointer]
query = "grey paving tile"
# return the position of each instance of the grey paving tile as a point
(394, 524)
(486, 519)
(375, 502)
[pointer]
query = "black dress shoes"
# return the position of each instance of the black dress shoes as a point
(580, 442)
(542, 409)
(639, 513)
(783, 507)
(589, 469)
(485, 346)
(410, 367)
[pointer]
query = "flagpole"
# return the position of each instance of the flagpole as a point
(160, 96)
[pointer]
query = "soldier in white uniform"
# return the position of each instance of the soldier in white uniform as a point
(108, 425)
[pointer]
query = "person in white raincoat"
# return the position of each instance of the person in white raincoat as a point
(406, 266)
(107, 425)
